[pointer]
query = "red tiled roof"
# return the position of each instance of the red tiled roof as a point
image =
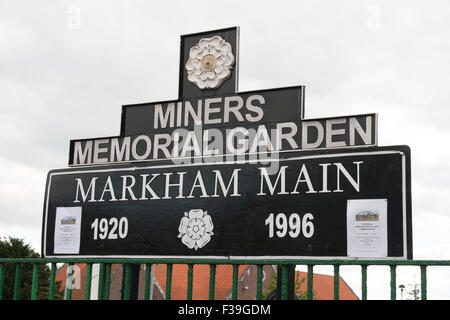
(323, 287)
(200, 291)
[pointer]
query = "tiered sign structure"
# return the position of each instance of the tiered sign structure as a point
(228, 174)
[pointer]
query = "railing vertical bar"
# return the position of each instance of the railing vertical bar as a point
(34, 282)
(364, 282)
(69, 281)
(259, 276)
(101, 280)
(87, 287)
(2, 275)
(393, 282)
(190, 280)
(309, 292)
(16, 293)
(336, 282)
(126, 292)
(148, 280)
(423, 282)
(168, 281)
(234, 293)
(284, 282)
(51, 292)
(212, 281)
(107, 283)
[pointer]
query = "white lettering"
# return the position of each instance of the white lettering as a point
(307, 179)
(179, 185)
(227, 109)
(164, 119)
(353, 182)
(209, 110)
(305, 126)
(201, 185)
(147, 148)
(108, 188)
(127, 187)
(286, 136)
(256, 109)
(366, 136)
(234, 179)
(334, 132)
(121, 153)
(146, 187)
(90, 189)
(98, 150)
(85, 156)
(280, 176)
(157, 145)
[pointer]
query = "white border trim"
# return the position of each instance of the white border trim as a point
(405, 252)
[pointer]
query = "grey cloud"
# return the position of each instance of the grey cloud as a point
(60, 83)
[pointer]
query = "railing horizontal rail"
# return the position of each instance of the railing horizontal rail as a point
(230, 261)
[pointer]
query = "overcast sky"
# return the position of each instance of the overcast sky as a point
(67, 67)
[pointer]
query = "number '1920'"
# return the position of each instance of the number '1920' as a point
(112, 228)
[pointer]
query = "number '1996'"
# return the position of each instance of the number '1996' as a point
(281, 225)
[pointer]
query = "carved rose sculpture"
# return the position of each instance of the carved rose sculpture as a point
(210, 62)
(195, 228)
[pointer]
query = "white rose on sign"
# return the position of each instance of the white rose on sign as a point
(210, 62)
(195, 229)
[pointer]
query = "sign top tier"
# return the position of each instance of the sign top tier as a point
(209, 63)
(211, 118)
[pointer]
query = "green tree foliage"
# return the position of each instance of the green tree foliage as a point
(17, 248)
(301, 294)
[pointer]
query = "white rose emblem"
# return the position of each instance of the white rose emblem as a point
(195, 228)
(210, 62)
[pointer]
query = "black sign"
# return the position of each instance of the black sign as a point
(294, 206)
(226, 110)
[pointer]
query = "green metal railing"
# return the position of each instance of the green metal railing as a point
(105, 274)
